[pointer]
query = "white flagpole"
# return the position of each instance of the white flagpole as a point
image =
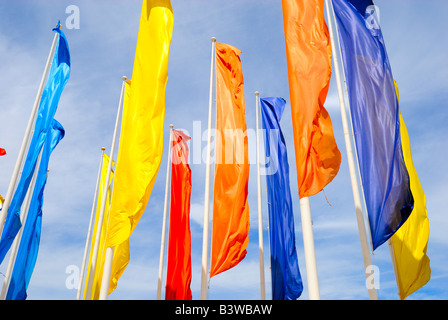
(260, 212)
(351, 161)
(89, 232)
(104, 200)
(394, 264)
(107, 273)
(310, 252)
(18, 239)
(205, 243)
(165, 214)
(12, 183)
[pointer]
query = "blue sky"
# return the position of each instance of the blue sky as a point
(102, 51)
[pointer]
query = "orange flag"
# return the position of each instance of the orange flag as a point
(308, 53)
(230, 206)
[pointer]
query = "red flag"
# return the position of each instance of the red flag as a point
(179, 247)
(2, 152)
(230, 205)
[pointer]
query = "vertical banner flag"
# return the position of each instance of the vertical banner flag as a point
(29, 245)
(179, 248)
(57, 79)
(375, 117)
(411, 240)
(141, 141)
(121, 254)
(286, 278)
(230, 205)
(2, 152)
(308, 51)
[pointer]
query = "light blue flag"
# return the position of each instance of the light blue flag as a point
(375, 117)
(57, 79)
(29, 245)
(286, 278)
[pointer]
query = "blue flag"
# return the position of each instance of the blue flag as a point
(286, 278)
(29, 245)
(57, 79)
(375, 117)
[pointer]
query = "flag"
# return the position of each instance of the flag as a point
(179, 247)
(141, 141)
(2, 152)
(308, 53)
(121, 253)
(230, 206)
(375, 118)
(29, 245)
(286, 278)
(411, 240)
(57, 79)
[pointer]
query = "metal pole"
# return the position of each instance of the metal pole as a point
(260, 212)
(165, 214)
(104, 199)
(205, 243)
(351, 161)
(89, 232)
(310, 253)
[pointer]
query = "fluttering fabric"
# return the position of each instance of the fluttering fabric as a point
(121, 252)
(179, 271)
(2, 152)
(375, 118)
(57, 79)
(410, 242)
(286, 278)
(29, 245)
(141, 141)
(231, 221)
(308, 52)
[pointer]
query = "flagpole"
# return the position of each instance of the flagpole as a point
(394, 264)
(351, 162)
(89, 232)
(310, 252)
(260, 212)
(12, 183)
(165, 213)
(104, 199)
(18, 239)
(205, 243)
(107, 273)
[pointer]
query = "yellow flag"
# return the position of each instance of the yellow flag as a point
(411, 240)
(141, 141)
(121, 257)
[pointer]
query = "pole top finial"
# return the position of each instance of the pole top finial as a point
(103, 149)
(213, 39)
(257, 93)
(124, 78)
(171, 126)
